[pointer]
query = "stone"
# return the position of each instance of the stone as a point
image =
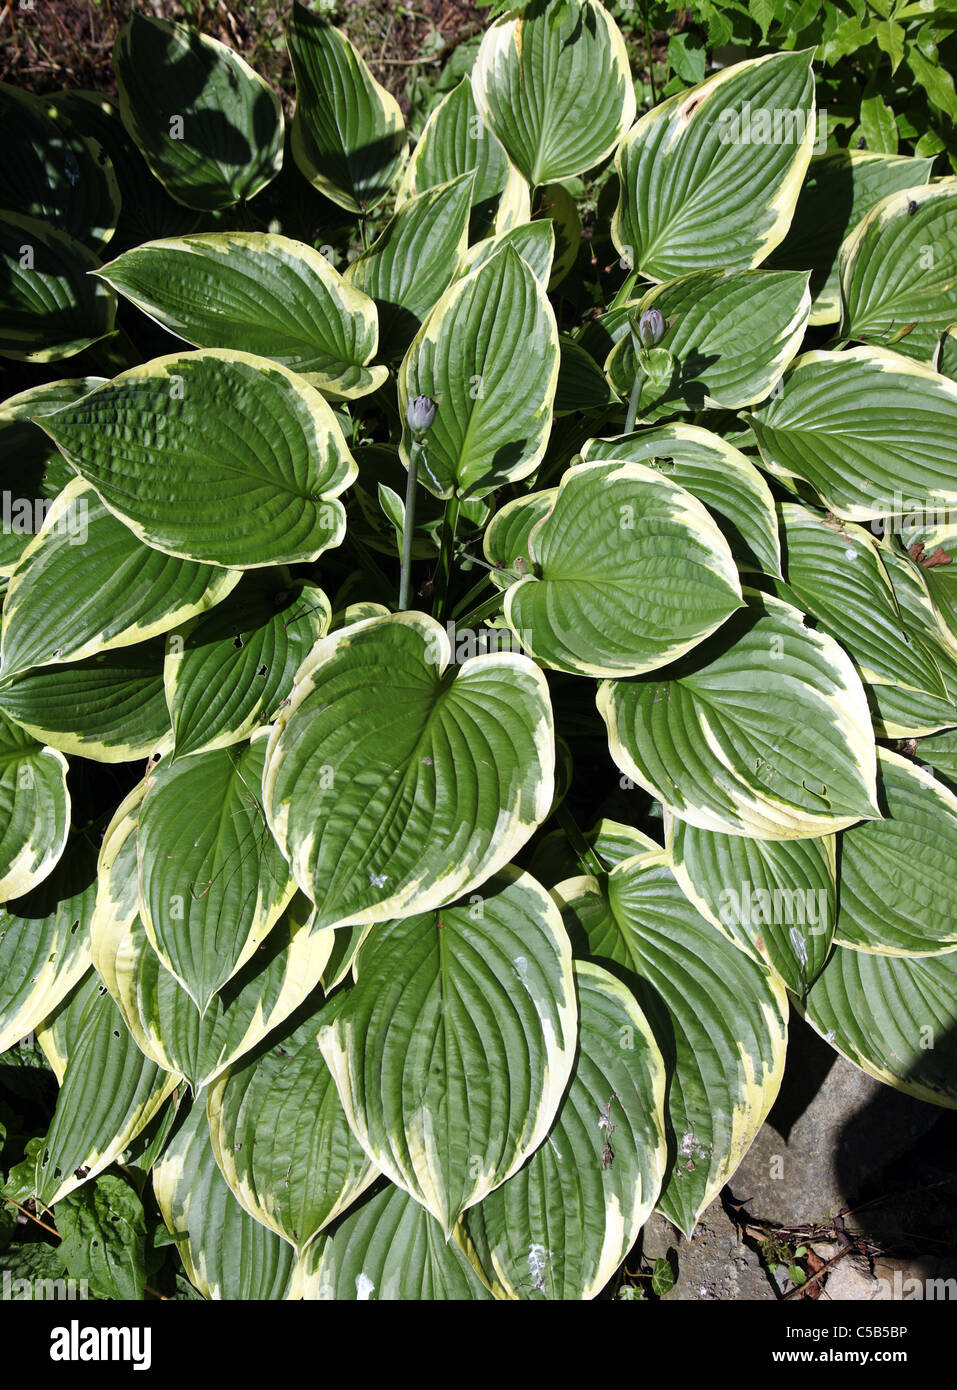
(714, 1265)
(851, 1280)
(832, 1129)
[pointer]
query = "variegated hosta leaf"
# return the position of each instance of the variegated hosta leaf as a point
(348, 136)
(389, 1249)
(226, 1254)
(763, 731)
(506, 540)
(219, 457)
(393, 782)
(281, 1137)
(899, 271)
(733, 334)
(711, 176)
(946, 357)
(630, 572)
(553, 83)
(456, 141)
(534, 242)
(866, 428)
(261, 293)
(892, 869)
(554, 857)
(346, 945)
(58, 1033)
(776, 899)
(208, 126)
(893, 1016)
(940, 753)
(488, 352)
(85, 584)
(719, 1017)
(51, 172)
(841, 186)
(50, 306)
(212, 880)
(453, 1048)
(146, 209)
(34, 810)
(837, 573)
(32, 462)
(562, 1225)
(413, 261)
(230, 670)
(158, 1012)
(715, 472)
(45, 941)
(110, 707)
(109, 1093)
(900, 711)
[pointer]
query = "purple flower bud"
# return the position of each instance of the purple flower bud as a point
(421, 414)
(651, 328)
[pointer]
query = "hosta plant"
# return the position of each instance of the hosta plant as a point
(465, 679)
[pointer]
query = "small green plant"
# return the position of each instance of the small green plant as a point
(479, 645)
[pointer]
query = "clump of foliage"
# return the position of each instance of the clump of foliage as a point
(405, 514)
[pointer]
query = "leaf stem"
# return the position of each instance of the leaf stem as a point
(484, 610)
(589, 860)
(634, 400)
(651, 64)
(408, 527)
(449, 526)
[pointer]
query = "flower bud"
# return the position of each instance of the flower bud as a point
(421, 414)
(651, 328)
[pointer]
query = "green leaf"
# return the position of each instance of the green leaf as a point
(230, 670)
(894, 1017)
(899, 271)
(892, 869)
(212, 880)
(456, 141)
(777, 899)
(207, 125)
(687, 55)
(413, 261)
(837, 573)
(164, 1020)
(555, 88)
(42, 471)
(705, 178)
(453, 1049)
(50, 306)
(866, 428)
(391, 797)
(630, 573)
(720, 476)
(722, 739)
(110, 707)
(581, 382)
(936, 81)
(878, 125)
(44, 941)
(109, 1093)
(389, 1249)
(534, 242)
(348, 136)
(226, 1254)
(215, 456)
(261, 293)
(488, 352)
(103, 1230)
(733, 335)
(34, 810)
(52, 173)
(662, 1278)
(87, 585)
(281, 1138)
(840, 188)
(563, 1224)
(718, 1017)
